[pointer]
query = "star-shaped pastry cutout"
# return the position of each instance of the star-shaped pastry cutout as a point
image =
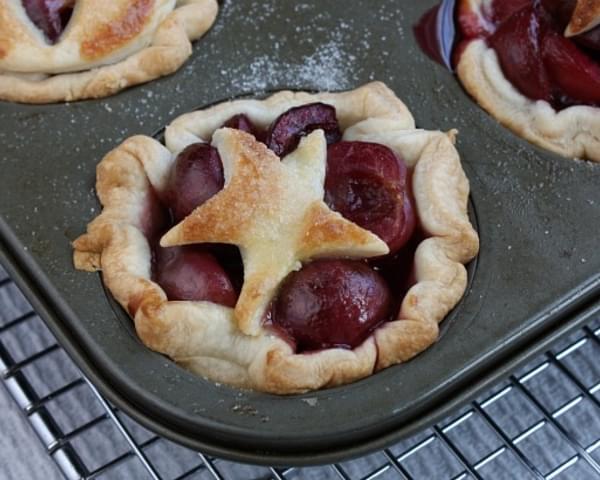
(585, 17)
(273, 210)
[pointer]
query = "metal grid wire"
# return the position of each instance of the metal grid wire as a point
(543, 422)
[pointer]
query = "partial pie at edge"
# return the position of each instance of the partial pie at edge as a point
(214, 341)
(106, 47)
(571, 132)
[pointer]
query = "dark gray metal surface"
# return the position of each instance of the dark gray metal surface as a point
(537, 216)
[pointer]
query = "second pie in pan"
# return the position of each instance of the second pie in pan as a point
(293, 181)
(534, 65)
(64, 50)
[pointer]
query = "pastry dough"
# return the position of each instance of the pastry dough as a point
(585, 17)
(106, 47)
(205, 337)
(572, 132)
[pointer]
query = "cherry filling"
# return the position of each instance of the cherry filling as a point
(243, 123)
(528, 37)
(332, 303)
(196, 176)
(287, 130)
(503, 10)
(328, 303)
(196, 272)
(366, 183)
(50, 16)
(193, 273)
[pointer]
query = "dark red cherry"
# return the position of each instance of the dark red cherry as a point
(230, 258)
(50, 16)
(572, 71)
(517, 42)
(366, 183)
(560, 10)
(331, 303)
(191, 273)
(155, 218)
(590, 39)
(503, 9)
(287, 130)
(196, 176)
(243, 123)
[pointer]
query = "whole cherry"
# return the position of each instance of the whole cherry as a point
(331, 303)
(196, 176)
(192, 273)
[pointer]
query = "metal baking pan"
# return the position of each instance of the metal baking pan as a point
(537, 275)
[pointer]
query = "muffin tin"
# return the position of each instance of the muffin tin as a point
(537, 274)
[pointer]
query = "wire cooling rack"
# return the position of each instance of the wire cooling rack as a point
(543, 422)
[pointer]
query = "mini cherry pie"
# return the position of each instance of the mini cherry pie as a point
(286, 244)
(535, 66)
(57, 50)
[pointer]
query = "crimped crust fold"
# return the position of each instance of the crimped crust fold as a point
(202, 336)
(164, 45)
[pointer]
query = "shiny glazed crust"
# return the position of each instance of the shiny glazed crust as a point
(107, 47)
(203, 336)
(572, 132)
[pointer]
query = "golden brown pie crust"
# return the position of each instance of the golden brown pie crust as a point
(107, 47)
(204, 337)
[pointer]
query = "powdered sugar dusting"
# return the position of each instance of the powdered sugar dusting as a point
(328, 68)
(313, 48)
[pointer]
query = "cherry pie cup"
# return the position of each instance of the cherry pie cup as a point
(350, 224)
(535, 66)
(63, 50)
